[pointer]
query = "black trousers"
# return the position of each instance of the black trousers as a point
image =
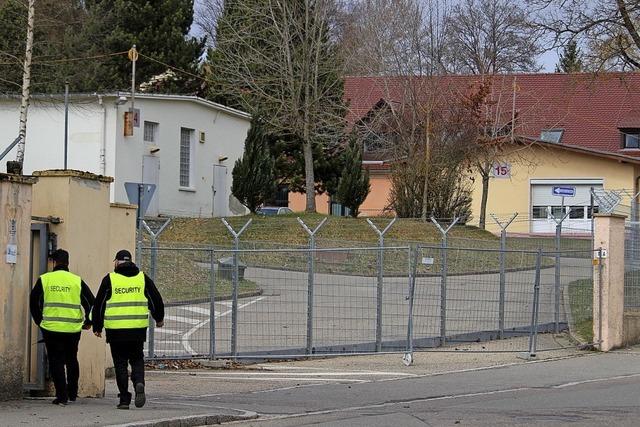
(126, 353)
(62, 351)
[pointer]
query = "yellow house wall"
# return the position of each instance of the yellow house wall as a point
(15, 204)
(507, 196)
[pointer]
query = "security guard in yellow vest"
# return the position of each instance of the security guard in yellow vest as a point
(124, 301)
(57, 302)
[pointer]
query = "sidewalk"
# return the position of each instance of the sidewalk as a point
(103, 412)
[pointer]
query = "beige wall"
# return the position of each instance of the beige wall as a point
(507, 196)
(15, 204)
(374, 204)
(90, 231)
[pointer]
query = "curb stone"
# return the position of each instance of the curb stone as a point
(192, 420)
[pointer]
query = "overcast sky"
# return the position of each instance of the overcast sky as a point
(547, 60)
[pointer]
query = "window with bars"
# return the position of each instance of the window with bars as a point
(150, 131)
(186, 155)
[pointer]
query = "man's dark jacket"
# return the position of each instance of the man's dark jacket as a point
(36, 301)
(156, 306)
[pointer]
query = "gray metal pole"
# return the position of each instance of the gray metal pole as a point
(443, 292)
(310, 279)
(380, 285)
(556, 291)
(66, 123)
(139, 234)
(501, 304)
(533, 332)
(212, 306)
(443, 277)
(502, 291)
(379, 293)
(152, 273)
(234, 304)
(9, 148)
(310, 294)
(413, 254)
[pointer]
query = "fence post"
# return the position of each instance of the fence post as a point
(503, 247)
(234, 293)
(310, 284)
(380, 288)
(153, 265)
(556, 291)
(212, 305)
(443, 279)
(608, 296)
(533, 333)
(407, 359)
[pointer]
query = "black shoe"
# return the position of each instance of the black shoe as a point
(125, 401)
(59, 402)
(141, 399)
(72, 399)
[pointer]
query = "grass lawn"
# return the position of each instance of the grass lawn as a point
(284, 231)
(581, 305)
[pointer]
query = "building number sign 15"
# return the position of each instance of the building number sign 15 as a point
(501, 170)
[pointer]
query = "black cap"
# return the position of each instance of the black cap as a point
(60, 257)
(123, 255)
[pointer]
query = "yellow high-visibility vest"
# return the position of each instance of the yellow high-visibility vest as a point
(128, 306)
(62, 310)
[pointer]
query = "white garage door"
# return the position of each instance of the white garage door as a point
(579, 207)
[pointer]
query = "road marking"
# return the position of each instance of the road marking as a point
(167, 331)
(185, 338)
(595, 380)
(183, 319)
(199, 310)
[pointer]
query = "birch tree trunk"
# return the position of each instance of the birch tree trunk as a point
(26, 84)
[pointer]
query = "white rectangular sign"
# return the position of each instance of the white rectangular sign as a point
(501, 170)
(12, 254)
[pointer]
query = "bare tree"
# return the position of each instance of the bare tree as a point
(489, 37)
(608, 29)
(26, 85)
(283, 65)
(391, 37)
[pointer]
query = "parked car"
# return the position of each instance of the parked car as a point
(273, 210)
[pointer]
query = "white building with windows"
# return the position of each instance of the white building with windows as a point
(186, 146)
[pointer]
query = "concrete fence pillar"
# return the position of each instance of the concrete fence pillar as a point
(15, 232)
(608, 282)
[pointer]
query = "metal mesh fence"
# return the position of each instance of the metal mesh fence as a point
(261, 302)
(632, 266)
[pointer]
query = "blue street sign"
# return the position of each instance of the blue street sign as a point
(140, 194)
(564, 191)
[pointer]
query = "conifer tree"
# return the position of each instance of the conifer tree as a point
(253, 177)
(353, 186)
(570, 60)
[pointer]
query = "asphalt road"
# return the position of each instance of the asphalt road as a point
(345, 310)
(593, 390)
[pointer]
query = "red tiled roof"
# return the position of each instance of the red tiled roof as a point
(590, 108)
